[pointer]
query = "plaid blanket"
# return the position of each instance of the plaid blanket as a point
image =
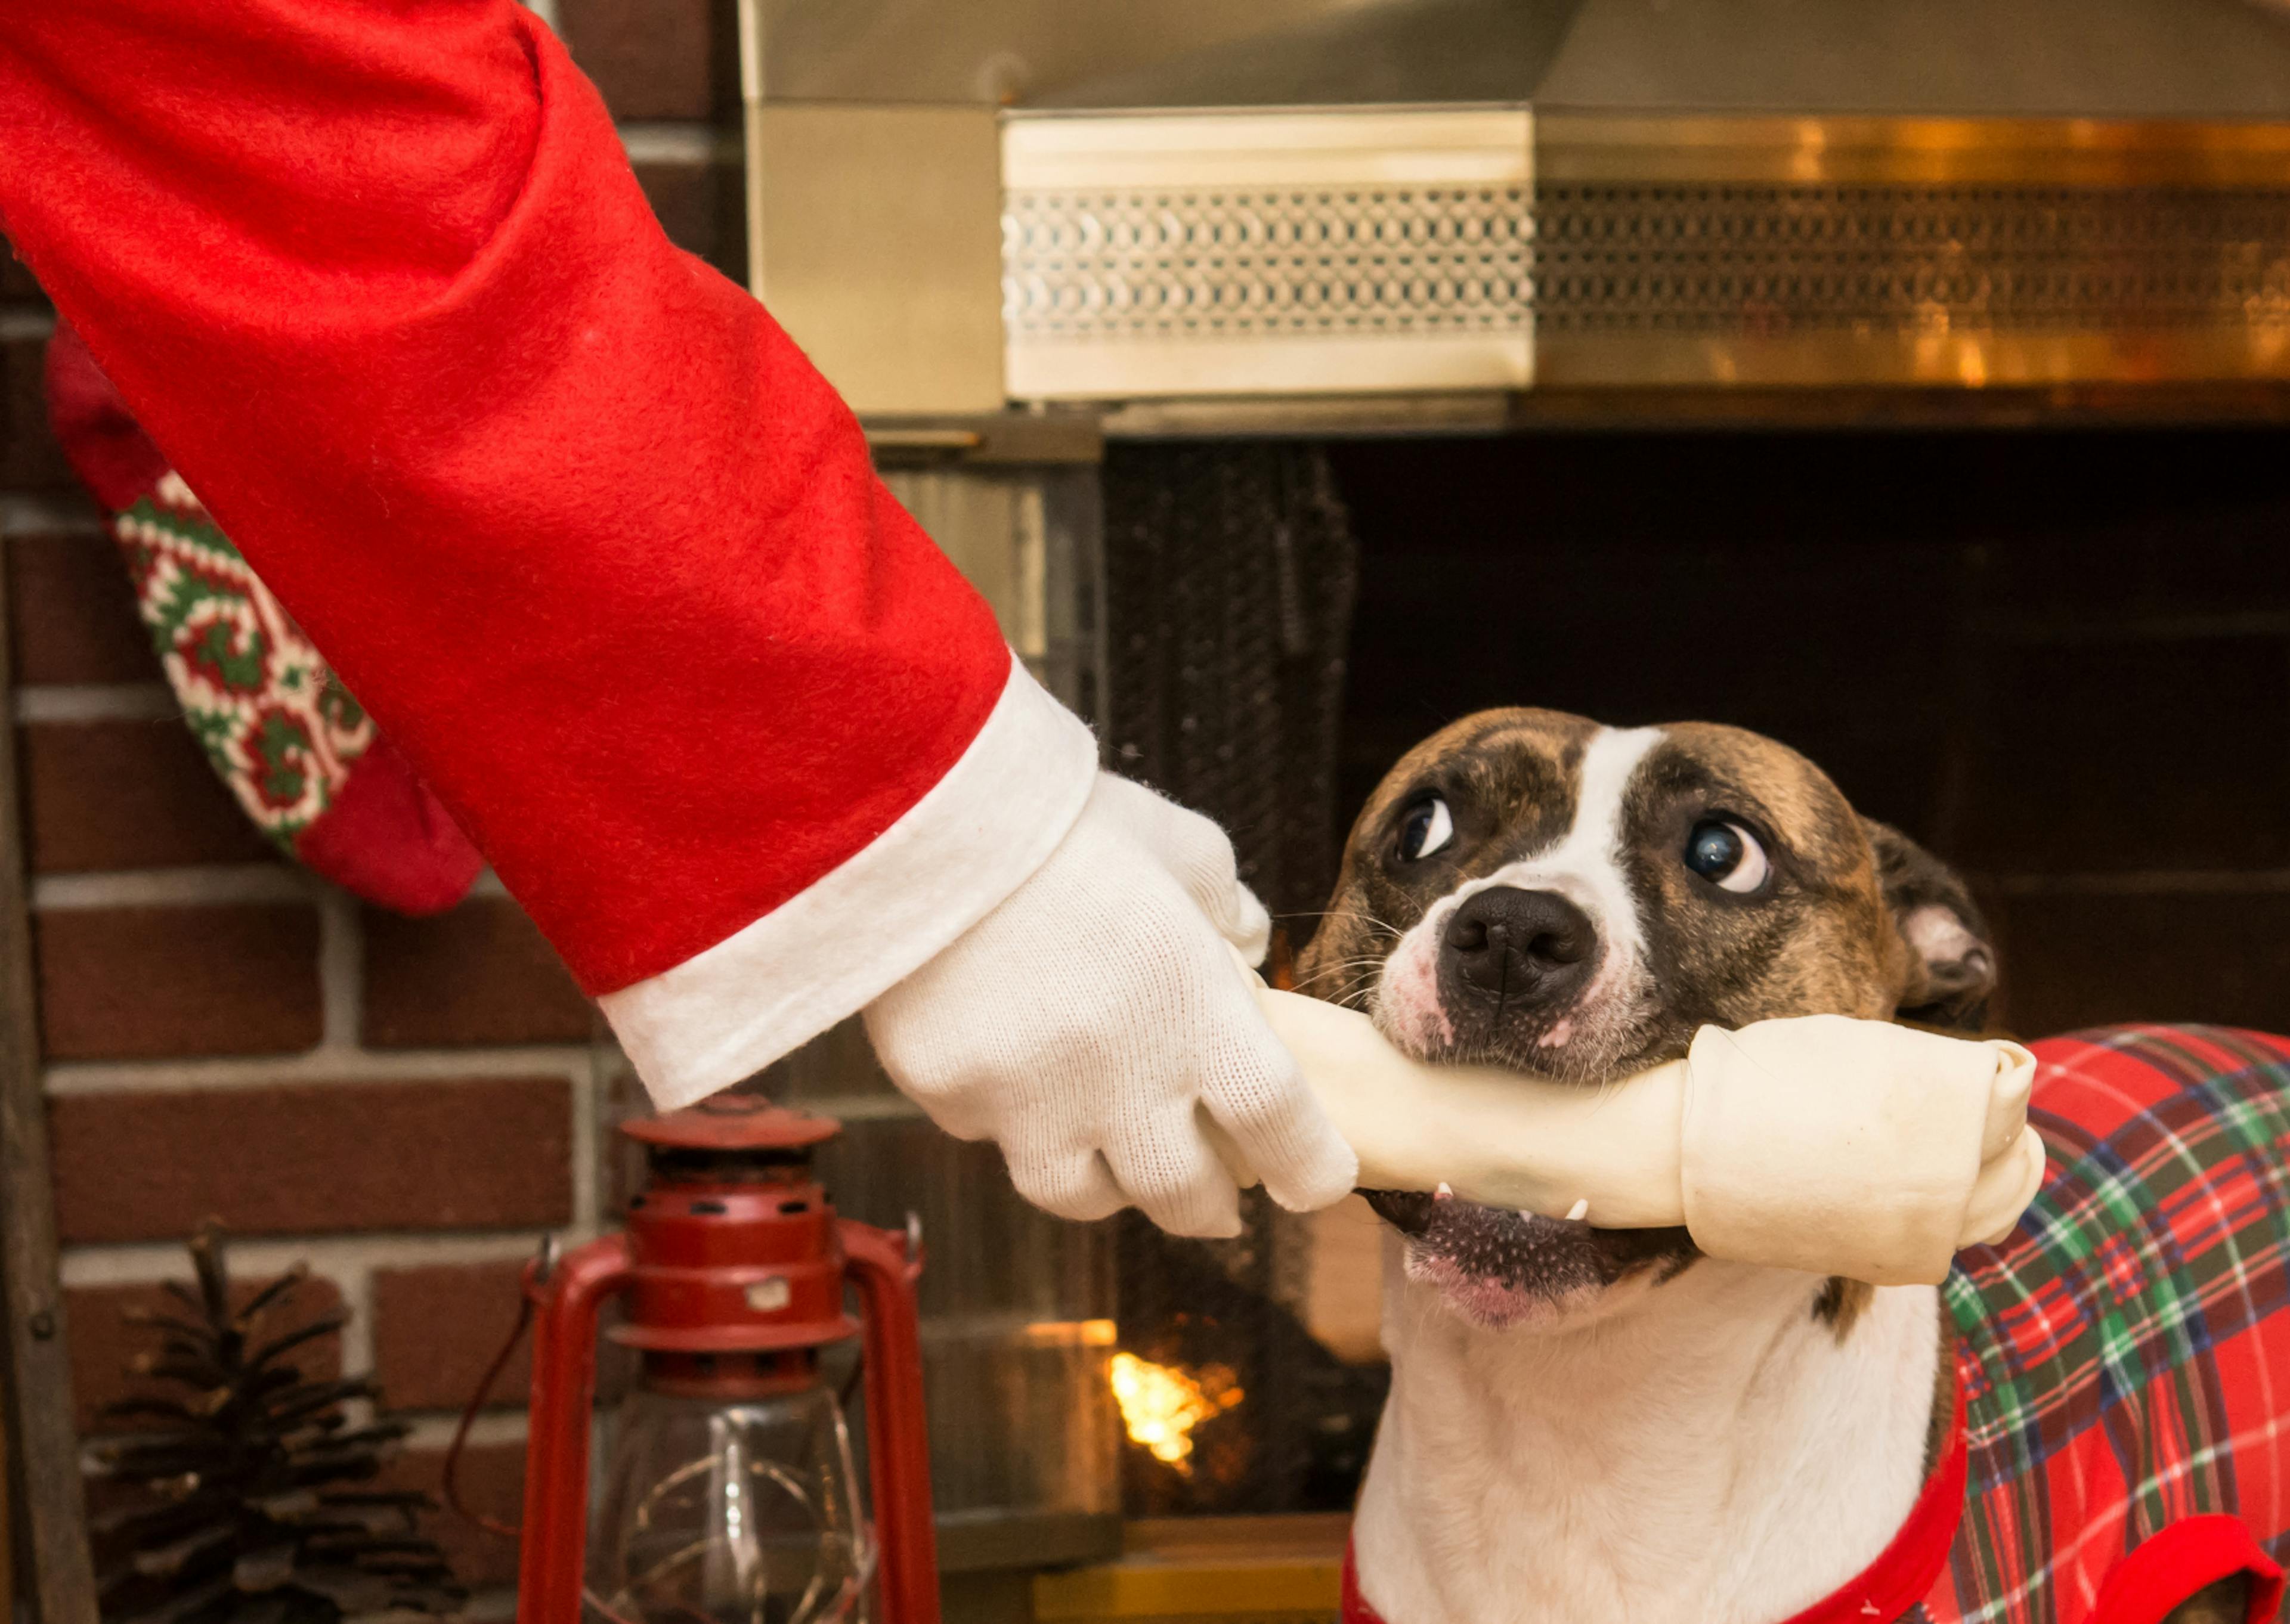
(2124, 1356)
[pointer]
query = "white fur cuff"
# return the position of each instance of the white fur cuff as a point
(956, 854)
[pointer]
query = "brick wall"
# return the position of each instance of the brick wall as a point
(408, 1106)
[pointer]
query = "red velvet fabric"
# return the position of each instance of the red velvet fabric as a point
(568, 512)
(2178, 1560)
(386, 839)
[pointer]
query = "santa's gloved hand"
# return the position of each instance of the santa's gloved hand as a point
(1091, 1023)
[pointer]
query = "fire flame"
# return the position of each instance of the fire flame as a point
(1162, 1404)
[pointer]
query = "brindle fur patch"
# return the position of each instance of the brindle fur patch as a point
(1510, 778)
(1841, 1304)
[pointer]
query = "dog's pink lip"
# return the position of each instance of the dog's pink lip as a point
(1494, 1265)
(1494, 1304)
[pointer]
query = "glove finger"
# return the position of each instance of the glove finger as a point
(1288, 1139)
(1078, 1185)
(1200, 856)
(1176, 1179)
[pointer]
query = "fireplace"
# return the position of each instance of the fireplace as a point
(1909, 387)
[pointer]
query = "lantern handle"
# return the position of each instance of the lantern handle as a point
(543, 1265)
(884, 1264)
(567, 1296)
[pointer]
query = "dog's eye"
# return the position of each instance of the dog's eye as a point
(1427, 829)
(1727, 855)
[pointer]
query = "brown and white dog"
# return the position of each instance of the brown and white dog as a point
(1604, 1425)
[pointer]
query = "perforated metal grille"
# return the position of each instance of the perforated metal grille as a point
(1779, 258)
(1742, 258)
(1249, 264)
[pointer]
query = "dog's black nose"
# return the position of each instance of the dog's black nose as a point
(1524, 946)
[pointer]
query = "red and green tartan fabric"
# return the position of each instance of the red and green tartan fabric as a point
(2125, 1351)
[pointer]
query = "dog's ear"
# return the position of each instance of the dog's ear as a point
(1952, 958)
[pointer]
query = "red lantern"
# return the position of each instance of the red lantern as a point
(730, 1495)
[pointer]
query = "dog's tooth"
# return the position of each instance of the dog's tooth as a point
(1580, 1211)
(1445, 1192)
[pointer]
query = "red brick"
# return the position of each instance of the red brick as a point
(140, 983)
(479, 974)
(703, 209)
(73, 613)
(436, 1329)
(129, 794)
(485, 1153)
(30, 456)
(491, 1478)
(655, 59)
(105, 1343)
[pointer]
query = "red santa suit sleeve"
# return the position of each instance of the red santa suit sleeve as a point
(567, 510)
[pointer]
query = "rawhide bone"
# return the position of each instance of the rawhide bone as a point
(1835, 1145)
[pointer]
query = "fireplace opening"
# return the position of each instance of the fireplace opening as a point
(2061, 659)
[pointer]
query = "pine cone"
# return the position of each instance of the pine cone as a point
(242, 1508)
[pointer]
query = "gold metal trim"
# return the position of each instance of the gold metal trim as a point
(1301, 251)
(1976, 360)
(1574, 147)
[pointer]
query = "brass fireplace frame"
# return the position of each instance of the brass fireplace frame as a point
(1481, 264)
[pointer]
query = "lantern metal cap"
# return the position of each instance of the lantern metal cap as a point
(734, 1121)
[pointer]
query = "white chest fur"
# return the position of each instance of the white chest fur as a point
(1705, 1452)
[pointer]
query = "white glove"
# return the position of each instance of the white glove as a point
(1091, 1026)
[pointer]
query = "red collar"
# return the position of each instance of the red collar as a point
(1899, 1577)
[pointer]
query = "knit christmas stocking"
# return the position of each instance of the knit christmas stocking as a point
(306, 763)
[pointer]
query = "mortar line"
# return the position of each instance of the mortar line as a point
(433, 1429)
(70, 1079)
(587, 1092)
(356, 1283)
(190, 886)
(146, 1262)
(57, 514)
(341, 971)
(22, 323)
(96, 702)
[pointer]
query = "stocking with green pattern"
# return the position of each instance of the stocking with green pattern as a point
(306, 764)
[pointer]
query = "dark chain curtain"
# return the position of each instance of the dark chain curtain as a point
(1231, 575)
(1230, 572)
